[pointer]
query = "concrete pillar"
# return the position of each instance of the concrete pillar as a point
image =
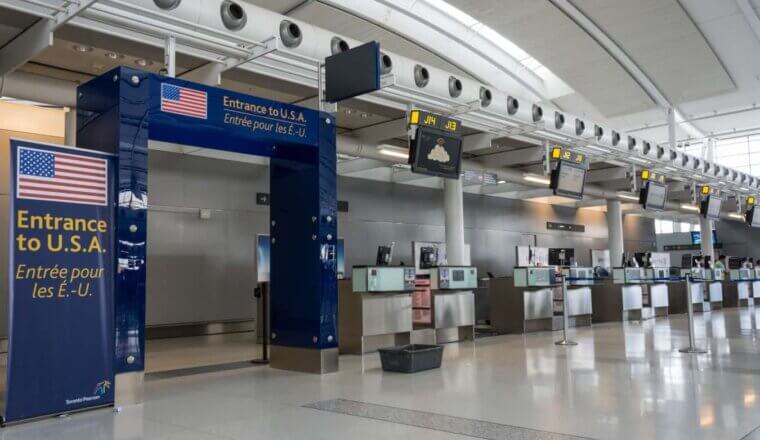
(453, 204)
(615, 232)
(70, 127)
(705, 229)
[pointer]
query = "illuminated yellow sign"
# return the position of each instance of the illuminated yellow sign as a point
(751, 200)
(644, 174)
(556, 152)
(418, 117)
(705, 190)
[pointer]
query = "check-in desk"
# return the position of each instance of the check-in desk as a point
(738, 291)
(623, 299)
(375, 309)
(698, 288)
(453, 302)
(714, 288)
(524, 302)
(755, 273)
(580, 280)
(659, 280)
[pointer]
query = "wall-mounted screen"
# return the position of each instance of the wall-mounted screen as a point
(561, 256)
(696, 237)
(569, 180)
(711, 206)
(654, 196)
(436, 153)
(353, 72)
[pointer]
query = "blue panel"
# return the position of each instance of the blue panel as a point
(112, 116)
(304, 246)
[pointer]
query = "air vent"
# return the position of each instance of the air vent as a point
(559, 120)
(538, 113)
(338, 45)
(660, 152)
(598, 132)
(485, 97)
(632, 143)
(455, 87)
(646, 147)
(167, 5)
(233, 15)
(290, 34)
(386, 64)
(580, 127)
(513, 105)
(615, 138)
(421, 76)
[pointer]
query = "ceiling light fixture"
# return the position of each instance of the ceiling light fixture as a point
(736, 216)
(114, 55)
(82, 48)
(628, 197)
(690, 208)
(536, 179)
(143, 62)
(394, 152)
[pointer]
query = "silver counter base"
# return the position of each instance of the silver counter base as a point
(304, 360)
(453, 316)
(572, 322)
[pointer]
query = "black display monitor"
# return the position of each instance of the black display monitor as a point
(428, 257)
(753, 217)
(710, 207)
(569, 179)
(384, 255)
(561, 256)
(654, 196)
(353, 72)
(436, 153)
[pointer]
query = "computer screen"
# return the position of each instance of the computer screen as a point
(569, 180)
(713, 207)
(654, 196)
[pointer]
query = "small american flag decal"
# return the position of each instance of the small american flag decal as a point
(61, 177)
(184, 101)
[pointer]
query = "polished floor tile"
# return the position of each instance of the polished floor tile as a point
(623, 381)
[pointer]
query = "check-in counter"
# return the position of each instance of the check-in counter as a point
(659, 279)
(755, 283)
(453, 302)
(580, 280)
(623, 298)
(714, 288)
(738, 291)
(375, 309)
(524, 302)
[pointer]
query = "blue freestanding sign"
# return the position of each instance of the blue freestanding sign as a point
(61, 336)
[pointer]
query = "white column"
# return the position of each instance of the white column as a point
(672, 127)
(70, 127)
(453, 204)
(705, 229)
(615, 232)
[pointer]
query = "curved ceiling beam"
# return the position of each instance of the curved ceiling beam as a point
(624, 60)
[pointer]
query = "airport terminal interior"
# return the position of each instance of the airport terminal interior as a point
(379, 219)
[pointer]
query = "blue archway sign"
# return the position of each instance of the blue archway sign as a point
(123, 110)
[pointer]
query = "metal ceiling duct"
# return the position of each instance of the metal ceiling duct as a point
(290, 34)
(167, 5)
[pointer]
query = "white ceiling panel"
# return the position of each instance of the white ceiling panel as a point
(281, 6)
(557, 42)
(665, 43)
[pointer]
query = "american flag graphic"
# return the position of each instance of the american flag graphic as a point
(184, 101)
(61, 177)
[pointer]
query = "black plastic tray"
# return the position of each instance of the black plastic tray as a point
(411, 358)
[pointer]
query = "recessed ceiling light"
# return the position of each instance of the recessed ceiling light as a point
(365, 116)
(143, 62)
(82, 48)
(114, 55)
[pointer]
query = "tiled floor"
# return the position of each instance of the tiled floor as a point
(624, 381)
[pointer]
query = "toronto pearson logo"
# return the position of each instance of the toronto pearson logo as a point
(102, 388)
(439, 153)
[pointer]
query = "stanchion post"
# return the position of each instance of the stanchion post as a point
(565, 316)
(691, 349)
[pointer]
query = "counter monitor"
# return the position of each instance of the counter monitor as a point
(710, 207)
(568, 180)
(653, 196)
